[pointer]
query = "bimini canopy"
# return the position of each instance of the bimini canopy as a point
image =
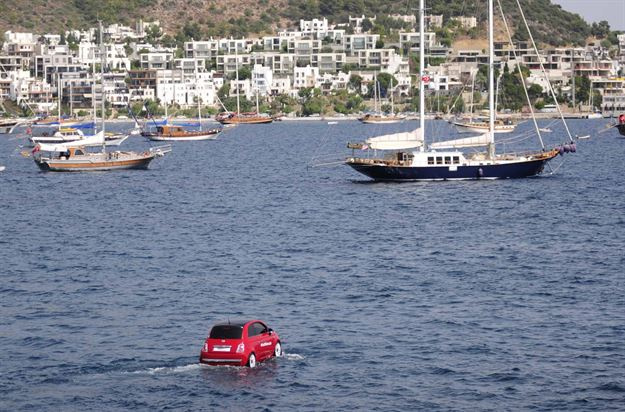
(94, 140)
(475, 141)
(397, 141)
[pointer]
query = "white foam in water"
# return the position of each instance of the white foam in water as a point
(293, 356)
(171, 369)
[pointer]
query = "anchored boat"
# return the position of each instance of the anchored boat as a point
(173, 133)
(409, 157)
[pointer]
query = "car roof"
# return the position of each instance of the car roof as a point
(236, 322)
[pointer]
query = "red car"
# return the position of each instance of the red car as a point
(240, 343)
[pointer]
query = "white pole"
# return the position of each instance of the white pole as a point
(197, 93)
(491, 81)
(422, 69)
(58, 92)
(93, 100)
(236, 70)
(102, 63)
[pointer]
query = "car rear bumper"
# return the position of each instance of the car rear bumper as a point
(221, 359)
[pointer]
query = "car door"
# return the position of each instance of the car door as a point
(253, 337)
(266, 340)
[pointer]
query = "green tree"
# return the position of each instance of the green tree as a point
(355, 82)
(600, 30)
(385, 80)
(366, 25)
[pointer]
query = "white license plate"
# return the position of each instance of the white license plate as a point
(221, 348)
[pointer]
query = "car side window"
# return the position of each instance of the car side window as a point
(253, 330)
(262, 328)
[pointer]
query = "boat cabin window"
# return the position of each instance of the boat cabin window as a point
(439, 160)
(431, 160)
(78, 152)
(447, 160)
(456, 160)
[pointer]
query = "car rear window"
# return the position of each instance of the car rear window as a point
(226, 332)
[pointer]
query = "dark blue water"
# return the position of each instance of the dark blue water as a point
(476, 295)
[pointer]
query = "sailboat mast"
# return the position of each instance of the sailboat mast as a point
(59, 93)
(102, 63)
(392, 101)
(197, 93)
(375, 93)
(421, 68)
(93, 99)
(236, 71)
(491, 81)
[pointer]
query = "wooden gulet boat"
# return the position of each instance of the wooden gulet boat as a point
(179, 134)
(77, 159)
(378, 117)
(242, 118)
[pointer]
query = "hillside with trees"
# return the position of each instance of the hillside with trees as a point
(203, 18)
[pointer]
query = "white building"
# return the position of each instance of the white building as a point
(315, 27)
(352, 43)
(434, 21)
(172, 87)
(466, 22)
(356, 22)
(412, 40)
(621, 46)
(304, 77)
(281, 85)
(262, 79)
(156, 60)
(19, 38)
(332, 81)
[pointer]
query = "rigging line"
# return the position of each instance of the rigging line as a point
(553, 171)
(321, 144)
(529, 102)
(542, 67)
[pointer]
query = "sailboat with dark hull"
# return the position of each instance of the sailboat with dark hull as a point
(409, 158)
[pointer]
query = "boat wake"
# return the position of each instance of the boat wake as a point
(171, 369)
(167, 370)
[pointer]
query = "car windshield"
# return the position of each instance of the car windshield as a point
(226, 332)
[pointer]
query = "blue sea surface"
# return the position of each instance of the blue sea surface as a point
(459, 295)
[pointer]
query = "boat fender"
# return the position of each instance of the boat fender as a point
(573, 148)
(566, 148)
(480, 172)
(561, 150)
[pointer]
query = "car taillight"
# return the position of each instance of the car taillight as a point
(241, 348)
(205, 348)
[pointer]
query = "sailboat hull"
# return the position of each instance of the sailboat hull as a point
(93, 165)
(185, 138)
(243, 120)
(507, 170)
